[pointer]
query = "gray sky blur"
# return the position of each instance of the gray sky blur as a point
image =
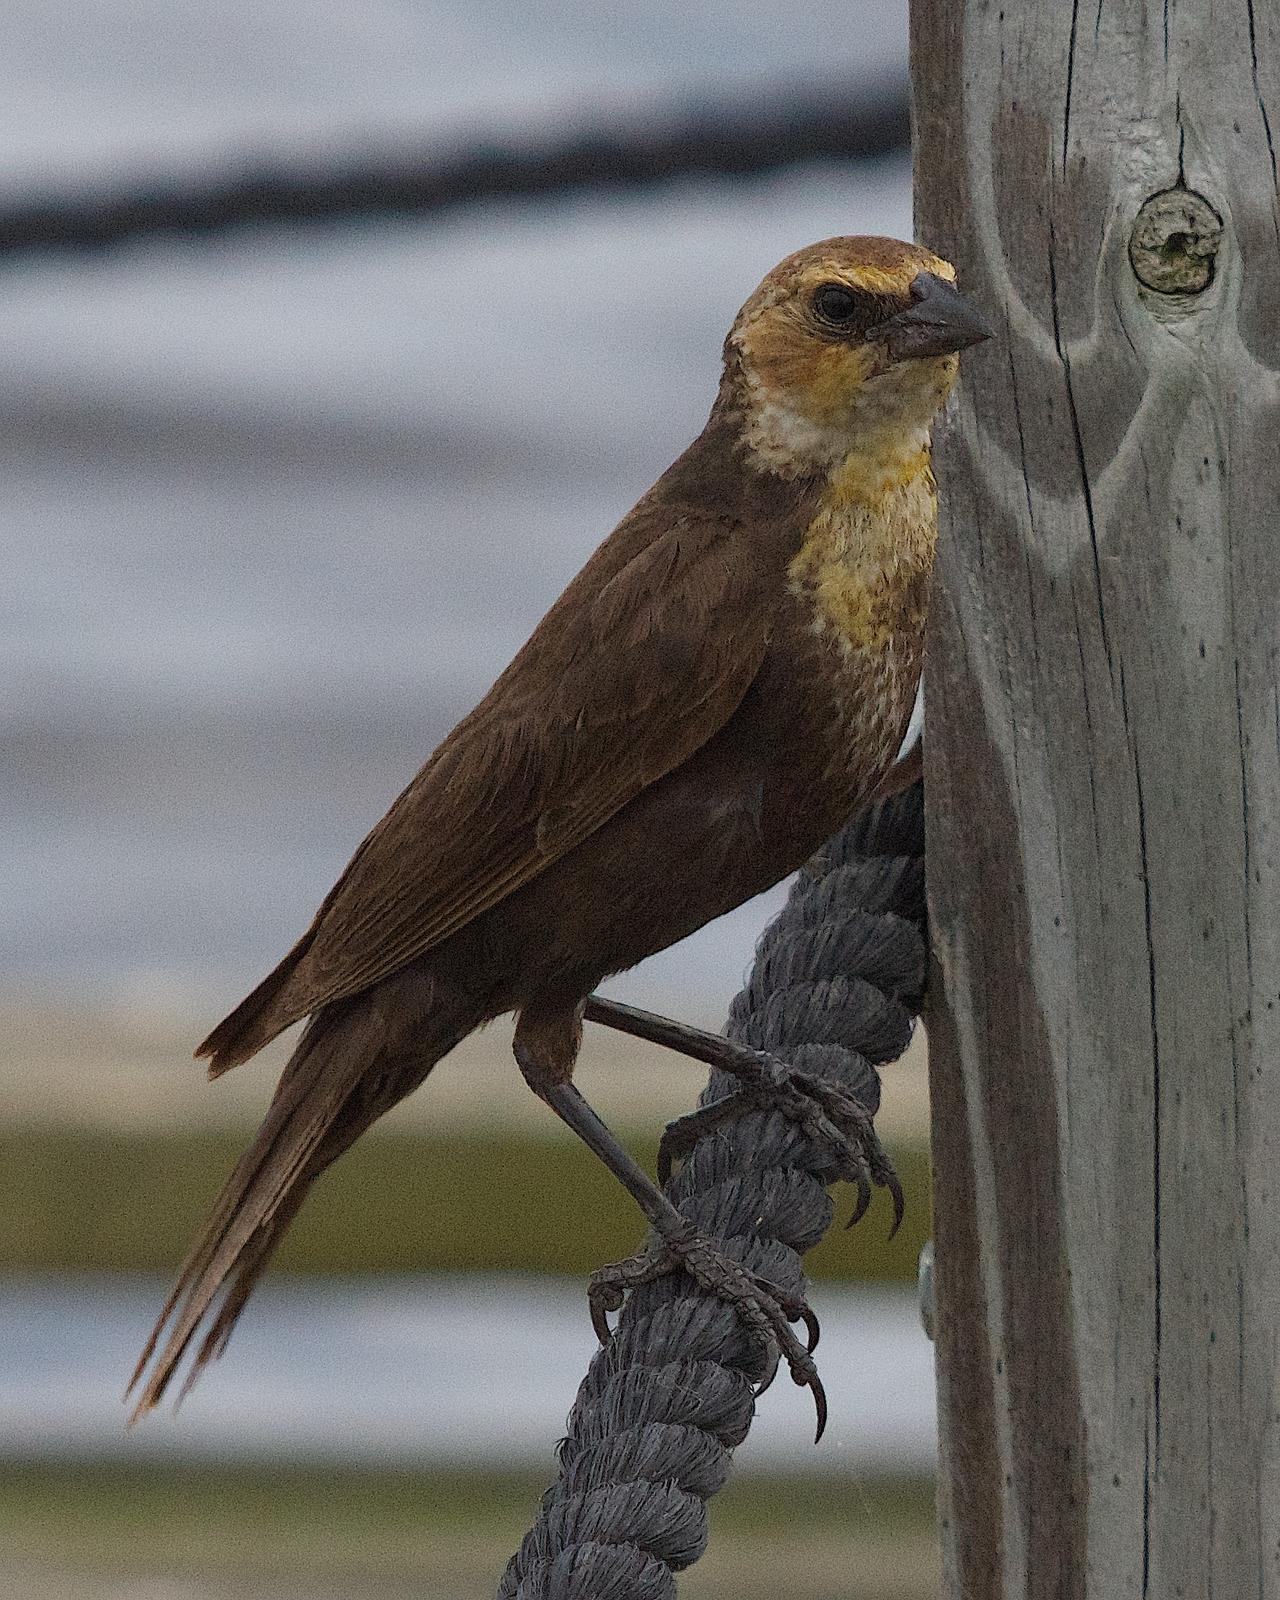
(279, 507)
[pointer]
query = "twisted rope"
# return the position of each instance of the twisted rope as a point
(835, 989)
(725, 135)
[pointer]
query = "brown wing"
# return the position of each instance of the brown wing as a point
(644, 657)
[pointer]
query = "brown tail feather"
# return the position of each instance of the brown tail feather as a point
(252, 1264)
(255, 1021)
(333, 1088)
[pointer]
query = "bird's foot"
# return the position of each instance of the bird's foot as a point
(829, 1114)
(765, 1311)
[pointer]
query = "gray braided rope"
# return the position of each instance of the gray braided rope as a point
(835, 989)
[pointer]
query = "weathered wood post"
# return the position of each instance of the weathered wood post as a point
(1104, 788)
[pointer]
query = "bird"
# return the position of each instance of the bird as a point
(725, 681)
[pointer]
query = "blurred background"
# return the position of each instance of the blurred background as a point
(332, 340)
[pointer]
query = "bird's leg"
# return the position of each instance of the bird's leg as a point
(828, 1113)
(765, 1311)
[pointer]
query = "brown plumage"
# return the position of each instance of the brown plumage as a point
(725, 680)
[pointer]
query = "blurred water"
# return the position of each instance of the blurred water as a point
(425, 1372)
(94, 90)
(279, 507)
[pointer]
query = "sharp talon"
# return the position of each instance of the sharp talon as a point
(899, 1203)
(765, 1311)
(863, 1201)
(820, 1405)
(829, 1115)
(600, 1322)
(602, 1298)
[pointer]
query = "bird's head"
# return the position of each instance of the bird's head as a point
(848, 346)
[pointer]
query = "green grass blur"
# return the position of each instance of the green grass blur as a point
(95, 1200)
(100, 1201)
(107, 1532)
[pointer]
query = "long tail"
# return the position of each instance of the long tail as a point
(339, 1080)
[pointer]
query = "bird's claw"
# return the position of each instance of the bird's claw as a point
(765, 1311)
(603, 1299)
(832, 1117)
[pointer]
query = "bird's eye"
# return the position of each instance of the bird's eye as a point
(834, 303)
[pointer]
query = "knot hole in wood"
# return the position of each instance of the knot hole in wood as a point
(1173, 245)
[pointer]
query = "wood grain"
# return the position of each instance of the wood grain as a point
(1103, 768)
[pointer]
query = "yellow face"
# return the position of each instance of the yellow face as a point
(849, 345)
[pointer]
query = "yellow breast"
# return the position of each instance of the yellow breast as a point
(866, 556)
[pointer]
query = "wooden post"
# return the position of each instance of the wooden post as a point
(1104, 797)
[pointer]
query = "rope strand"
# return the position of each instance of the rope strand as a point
(835, 989)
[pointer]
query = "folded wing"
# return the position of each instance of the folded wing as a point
(642, 660)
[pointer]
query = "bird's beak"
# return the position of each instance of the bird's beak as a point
(940, 322)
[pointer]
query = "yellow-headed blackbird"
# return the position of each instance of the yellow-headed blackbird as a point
(724, 682)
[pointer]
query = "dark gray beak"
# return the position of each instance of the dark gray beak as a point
(940, 321)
